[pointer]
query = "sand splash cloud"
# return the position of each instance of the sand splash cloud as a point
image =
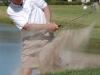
(66, 51)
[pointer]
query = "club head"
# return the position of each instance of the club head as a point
(94, 6)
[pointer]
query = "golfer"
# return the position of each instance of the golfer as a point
(33, 18)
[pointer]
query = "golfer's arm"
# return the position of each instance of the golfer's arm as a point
(47, 13)
(36, 27)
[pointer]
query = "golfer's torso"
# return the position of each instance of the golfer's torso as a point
(30, 13)
(23, 10)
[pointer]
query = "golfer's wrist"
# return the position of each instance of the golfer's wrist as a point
(48, 22)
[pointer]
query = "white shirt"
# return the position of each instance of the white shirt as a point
(21, 15)
(29, 12)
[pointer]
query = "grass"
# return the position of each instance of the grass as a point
(62, 14)
(86, 71)
(4, 19)
(95, 33)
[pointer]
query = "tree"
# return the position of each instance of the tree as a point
(50, 1)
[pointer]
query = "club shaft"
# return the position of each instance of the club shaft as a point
(75, 19)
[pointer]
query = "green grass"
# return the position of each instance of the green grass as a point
(87, 71)
(96, 33)
(3, 8)
(94, 42)
(4, 19)
(62, 14)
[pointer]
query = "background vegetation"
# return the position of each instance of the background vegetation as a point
(65, 2)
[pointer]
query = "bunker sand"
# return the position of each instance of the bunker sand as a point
(67, 51)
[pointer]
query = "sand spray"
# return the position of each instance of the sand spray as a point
(66, 51)
(61, 49)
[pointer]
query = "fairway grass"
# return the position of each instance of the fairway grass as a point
(66, 13)
(94, 42)
(87, 71)
(4, 19)
(63, 14)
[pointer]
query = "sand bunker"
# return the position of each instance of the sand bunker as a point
(67, 51)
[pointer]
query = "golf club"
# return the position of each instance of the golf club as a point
(94, 7)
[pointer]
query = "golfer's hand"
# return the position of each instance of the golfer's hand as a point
(52, 27)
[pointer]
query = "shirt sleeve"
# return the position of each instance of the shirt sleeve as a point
(17, 19)
(40, 3)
